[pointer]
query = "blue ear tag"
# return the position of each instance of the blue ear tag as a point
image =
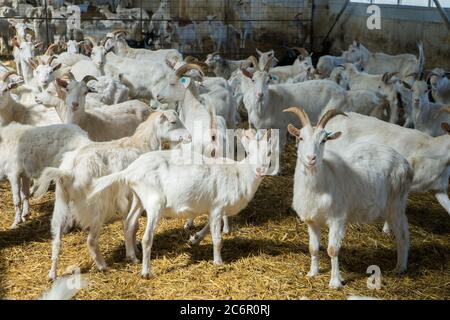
(185, 81)
(275, 78)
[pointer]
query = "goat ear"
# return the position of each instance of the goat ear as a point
(62, 83)
(163, 118)
(334, 135)
(446, 127)
(258, 52)
(293, 130)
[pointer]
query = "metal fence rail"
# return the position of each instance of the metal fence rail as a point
(196, 27)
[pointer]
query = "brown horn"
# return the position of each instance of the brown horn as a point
(328, 116)
(302, 51)
(267, 135)
(268, 64)
(6, 75)
(301, 114)
(415, 75)
(50, 48)
(445, 110)
(32, 63)
(88, 78)
(254, 61)
(246, 73)
(190, 59)
(49, 62)
(91, 39)
(117, 32)
(186, 67)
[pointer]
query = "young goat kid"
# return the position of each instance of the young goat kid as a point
(361, 184)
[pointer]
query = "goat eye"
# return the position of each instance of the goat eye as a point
(300, 138)
(173, 122)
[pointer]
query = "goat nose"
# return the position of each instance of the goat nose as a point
(311, 158)
(75, 105)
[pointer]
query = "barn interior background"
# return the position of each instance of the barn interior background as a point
(265, 24)
(267, 252)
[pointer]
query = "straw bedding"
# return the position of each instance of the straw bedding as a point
(266, 255)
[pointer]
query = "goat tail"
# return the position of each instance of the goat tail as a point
(421, 59)
(106, 182)
(48, 175)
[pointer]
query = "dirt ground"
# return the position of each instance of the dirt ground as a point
(266, 255)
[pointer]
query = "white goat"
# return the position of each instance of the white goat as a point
(428, 156)
(222, 34)
(78, 169)
(380, 63)
(383, 83)
(223, 67)
(168, 187)
(440, 85)
(12, 110)
(358, 184)
(27, 150)
(116, 42)
(265, 102)
(264, 57)
(302, 67)
(187, 35)
(102, 124)
(245, 23)
(427, 116)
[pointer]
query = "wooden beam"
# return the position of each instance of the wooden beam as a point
(442, 13)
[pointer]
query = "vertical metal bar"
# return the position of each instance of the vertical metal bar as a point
(46, 24)
(311, 27)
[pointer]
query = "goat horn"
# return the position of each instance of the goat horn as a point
(301, 114)
(186, 67)
(413, 74)
(246, 73)
(88, 78)
(443, 110)
(116, 32)
(268, 64)
(302, 51)
(215, 53)
(50, 49)
(254, 61)
(91, 39)
(190, 59)
(328, 116)
(6, 75)
(49, 62)
(267, 135)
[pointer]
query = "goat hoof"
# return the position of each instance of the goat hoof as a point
(218, 263)
(194, 239)
(399, 270)
(51, 276)
(146, 275)
(188, 225)
(335, 284)
(15, 225)
(133, 260)
(312, 273)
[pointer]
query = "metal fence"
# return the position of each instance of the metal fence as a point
(196, 27)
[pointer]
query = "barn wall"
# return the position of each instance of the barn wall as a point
(401, 28)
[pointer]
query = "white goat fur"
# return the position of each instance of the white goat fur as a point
(354, 185)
